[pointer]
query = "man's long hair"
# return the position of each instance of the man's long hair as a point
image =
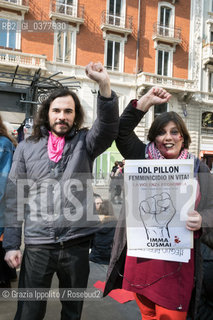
(42, 118)
(4, 132)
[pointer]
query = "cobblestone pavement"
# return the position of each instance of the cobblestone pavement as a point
(100, 309)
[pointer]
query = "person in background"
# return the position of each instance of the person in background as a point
(120, 170)
(114, 169)
(163, 289)
(98, 201)
(112, 185)
(102, 241)
(118, 181)
(7, 147)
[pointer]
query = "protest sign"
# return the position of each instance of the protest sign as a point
(158, 196)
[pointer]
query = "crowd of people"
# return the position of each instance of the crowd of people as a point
(66, 225)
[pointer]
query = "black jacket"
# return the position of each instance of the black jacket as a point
(102, 243)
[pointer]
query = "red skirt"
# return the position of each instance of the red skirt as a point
(166, 283)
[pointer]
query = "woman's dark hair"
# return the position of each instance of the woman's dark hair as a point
(42, 118)
(162, 120)
(4, 132)
(96, 196)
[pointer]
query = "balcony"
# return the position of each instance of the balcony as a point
(173, 84)
(17, 5)
(65, 12)
(208, 54)
(166, 34)
(207, 97)
(117, 24)
(13, 58)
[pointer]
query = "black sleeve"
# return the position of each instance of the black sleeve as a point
(105, 128)
(129, 145)
(205, 207)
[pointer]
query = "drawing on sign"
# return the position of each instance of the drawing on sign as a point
(156, 213)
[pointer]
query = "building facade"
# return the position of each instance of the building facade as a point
(201, 70)
(141, 42)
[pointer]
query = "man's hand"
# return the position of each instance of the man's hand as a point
(98, 73)
(13, 258)
(194, 221)
(155, 95)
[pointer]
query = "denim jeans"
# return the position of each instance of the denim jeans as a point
(71, 264)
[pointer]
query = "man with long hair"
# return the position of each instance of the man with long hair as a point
(52, 171)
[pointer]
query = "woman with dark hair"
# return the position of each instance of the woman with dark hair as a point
(165, 118)
(7, 146)
(165, 290)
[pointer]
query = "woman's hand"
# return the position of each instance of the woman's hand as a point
(155, 95)
(194, 221)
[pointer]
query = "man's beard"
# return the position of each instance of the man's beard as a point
(61, 133)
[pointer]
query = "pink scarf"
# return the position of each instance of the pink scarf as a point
(153, 153)
(55, 147)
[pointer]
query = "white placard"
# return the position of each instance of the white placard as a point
(158, 196)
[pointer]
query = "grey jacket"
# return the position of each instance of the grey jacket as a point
(56, 200)
(131, 147)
